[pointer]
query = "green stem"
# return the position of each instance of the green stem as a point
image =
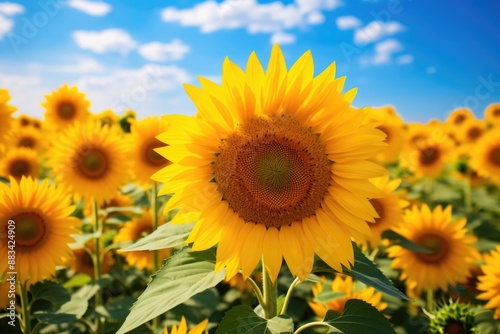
(295, 282)
(309, 325)
(467, 193)
(429, 186)
(270, 294)
(257, 291)
(156, 262)
(430, 300)
(99, 322)
(26, 309)
(37, 328)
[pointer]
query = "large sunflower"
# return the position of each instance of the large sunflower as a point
(135, 230)
(183, 328)
(42, 228)
(347, 289)
(489, 283)
(492, 114)
(276, 160)
(6, 112)
(145, 161)
(485, 158)
(20, 162)
(89, 161)
(65, 106)
(451, 249)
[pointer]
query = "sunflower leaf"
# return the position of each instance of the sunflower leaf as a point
(166, 236)
(243, 320)
(51, 291)
(184, 275)
(398, 239)
(359, 317)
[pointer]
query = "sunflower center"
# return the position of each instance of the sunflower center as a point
(272, 172)
(151, 157)
(94, 164)
(496, 112)
(474, 133)
(19, 168)
(66, 110)
(25, 122)
(455, 327)
(494, 157)
(379, 207)
(459, 119)
(30, 229)
(27, 142)
(428, 155)
(434, 243)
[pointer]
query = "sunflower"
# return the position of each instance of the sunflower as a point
(485, 158)
(428, 158)
(471, 130)
(40, 214)
(6, 112)
(453, 318)
(492, 114)
(136, 229)
(415, 134)
(20, 162)
(65, 106)
(276, 159)
(392, 126)
(451, 249)
(347, 290)
(183, 329)
(389, 209)
(145, 161)
(108, 117)
(83, 263)
(27, 137)
(89, 161)
(24, 120)
(458, 116)
(489, 283)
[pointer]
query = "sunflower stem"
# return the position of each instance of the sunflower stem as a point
(26, 326)
(467, 193)
(270, 294)
(430, 300)
(257, 290)
(99, 322)
(295, 282)
(154, 208)
(309, 325)
(429, 187)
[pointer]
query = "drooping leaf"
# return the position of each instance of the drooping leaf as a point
(166, 236)
(402, 241)
(184, 275)
(243, 320)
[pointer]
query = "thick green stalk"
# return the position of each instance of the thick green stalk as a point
(26, 308)
(270, 294)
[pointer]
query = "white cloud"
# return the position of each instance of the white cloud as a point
(156, 51)
(6, 26)
(122, 89)
(347, 22)
(383, 52)
(283, 38)
(108, 40)
(81, 66)
(13, 80)
(271, 17)
(376, 30)
(11, 8)
(94, 8)
(405, 59)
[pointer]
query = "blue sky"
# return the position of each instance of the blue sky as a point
(425, 57)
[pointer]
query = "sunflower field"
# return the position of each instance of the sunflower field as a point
(279, 208)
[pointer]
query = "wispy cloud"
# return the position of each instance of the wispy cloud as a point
(108, 40)
(85, 65)
(375, 31)
(156, 51)
(348, 22)
(11, 8)
(283, 38)
(94, 8)
(405, 59)
(383, 52)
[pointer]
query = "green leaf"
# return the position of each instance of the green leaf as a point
(359, 317)
(82, 239)
(398, 239)
(325, 296)
(77, 281)
(166, 236)
(366, 272)
(243, 320)
(184, 275)
(68, 312)
(51, 291)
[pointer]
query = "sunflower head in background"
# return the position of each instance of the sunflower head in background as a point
(458, 116)
(492, 114)
(453, 317)
(41, 214)
(451, 251)
(489, 282)
(183, 328)
(485, 157)
(19, 162)
(142, 145)
(428, 158)
(276, 159)
(65, 106)
(89, 161)
(107, 117)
